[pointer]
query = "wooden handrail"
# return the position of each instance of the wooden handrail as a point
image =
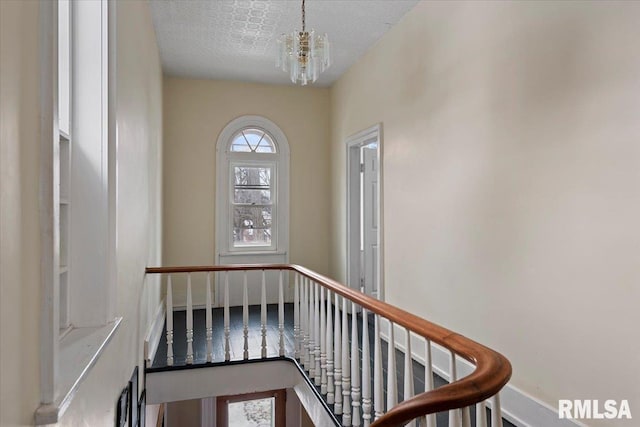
(492, 370)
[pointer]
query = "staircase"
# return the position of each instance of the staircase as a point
(315, 335)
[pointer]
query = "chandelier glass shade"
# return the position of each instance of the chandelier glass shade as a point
(303, 54)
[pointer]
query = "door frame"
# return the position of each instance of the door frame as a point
(353, 144)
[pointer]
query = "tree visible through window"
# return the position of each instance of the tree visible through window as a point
(252, 206)
(252, 190)
(253, 165)
(262, 409)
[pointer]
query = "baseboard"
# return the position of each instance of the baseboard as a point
(518, 407)
(152, 339)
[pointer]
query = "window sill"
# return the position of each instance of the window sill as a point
(254, 252)
(79, 351)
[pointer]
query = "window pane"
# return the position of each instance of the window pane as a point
(252, 226)
(253, 413)
(240, 146)
(252, 177)
(252, 185)
(252, 197)
(266, 145)
(253, 141)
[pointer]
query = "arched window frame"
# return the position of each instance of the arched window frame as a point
(225, 162)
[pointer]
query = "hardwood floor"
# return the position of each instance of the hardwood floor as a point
(255, 338)
(236, 338)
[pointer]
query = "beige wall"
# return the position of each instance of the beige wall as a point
(19, 223)
(510, 176)
(195, 112)
(139, 108)
(511, 182)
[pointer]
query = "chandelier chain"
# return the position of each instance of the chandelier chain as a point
(303, 18)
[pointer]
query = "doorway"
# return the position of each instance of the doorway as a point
(364, 219)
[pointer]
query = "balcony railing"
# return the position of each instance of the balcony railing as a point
(326, 341)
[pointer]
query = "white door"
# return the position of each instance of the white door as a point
(364, 222)
(369, 215)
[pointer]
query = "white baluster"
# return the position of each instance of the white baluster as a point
(378, 392)
(245, 317)
(169, 322)
(337, 370)
(466, 417)
(422, 421)
(208, 321)
(355, 368)
(312, 361)
(481, 414)
(428, 380)
(281, 314)
(329, 341)
(323, 344)
(317, 373)
(304, 308)
(454, 414)
(496, 411)
(189, 322)
(392, 385)
(296, 317)
(263, 315)
(227, 331)
(408, 372)
(346, 365)
(312, 328)
(366, 371)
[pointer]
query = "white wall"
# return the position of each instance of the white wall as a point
(139, 151)
(511, 182)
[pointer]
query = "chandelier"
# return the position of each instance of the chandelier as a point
(303, 54)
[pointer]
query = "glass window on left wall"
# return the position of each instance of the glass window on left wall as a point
(63, 162)
(76, 304)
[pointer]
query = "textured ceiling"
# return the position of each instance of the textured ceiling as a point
(236, 39)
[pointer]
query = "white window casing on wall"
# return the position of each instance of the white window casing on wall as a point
(254, 177)
(76, 183)
(252, 194)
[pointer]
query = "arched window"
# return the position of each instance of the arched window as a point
(253, 140)
(252, 194)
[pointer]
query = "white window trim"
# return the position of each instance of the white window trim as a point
(65, 362)
(224, 158)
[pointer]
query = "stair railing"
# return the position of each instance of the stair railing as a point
(326, 341)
